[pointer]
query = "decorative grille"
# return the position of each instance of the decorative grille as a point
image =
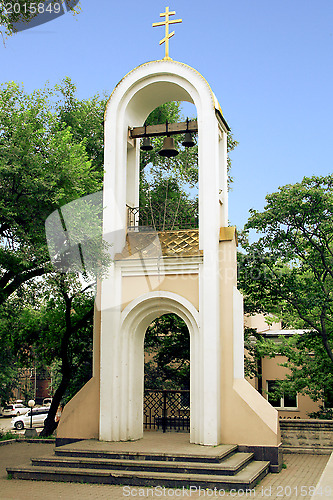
(165, 217)
(167, 410)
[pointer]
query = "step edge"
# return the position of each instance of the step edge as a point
(142, 475)
(244, 457)
(227, 452)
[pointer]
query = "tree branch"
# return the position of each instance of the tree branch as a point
(19, 280)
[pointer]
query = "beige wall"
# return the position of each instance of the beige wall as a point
(259, 321)
(80, 417)
(246, 417)
(186, 285)
(272, 371)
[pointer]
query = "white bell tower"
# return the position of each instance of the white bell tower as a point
(197, 281)
(145, 88)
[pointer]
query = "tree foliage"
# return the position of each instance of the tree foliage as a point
(71, 339)
(8, 362)
(51, 322)
(42, 167)
(288, 272)
(85, 120)
(49, 157)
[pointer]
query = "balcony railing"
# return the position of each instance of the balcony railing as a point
(166, 217)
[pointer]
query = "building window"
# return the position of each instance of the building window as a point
(285, 401)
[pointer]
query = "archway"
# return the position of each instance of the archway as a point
(127, 413)
(167, 375)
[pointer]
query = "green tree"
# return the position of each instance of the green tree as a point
(44, 164)
(85, 119)
(15, 351)
(53, 323)
(42, 167)
(288, 272)
(9, 367)
(68, 324)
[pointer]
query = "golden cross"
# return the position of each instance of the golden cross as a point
(168, 35)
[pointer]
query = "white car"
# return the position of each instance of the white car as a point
(38, 417)
(14, 409)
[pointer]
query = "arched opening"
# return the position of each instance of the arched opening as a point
(136, 318)
(168, 194)
(167, 375)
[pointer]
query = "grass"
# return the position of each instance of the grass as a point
(4, 436)
(44, 437)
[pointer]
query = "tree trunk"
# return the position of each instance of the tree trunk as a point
(50, 424)
(66, 368)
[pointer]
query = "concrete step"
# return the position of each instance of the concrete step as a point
(246, 478)
(224, 451)
(229, 466)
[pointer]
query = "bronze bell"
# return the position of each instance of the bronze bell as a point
(146, 144)
(188, 141)
(168, 150)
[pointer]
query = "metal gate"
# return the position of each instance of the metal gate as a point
(166, 410)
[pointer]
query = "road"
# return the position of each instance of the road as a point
(6, 425)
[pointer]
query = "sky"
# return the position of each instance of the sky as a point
(269, 63)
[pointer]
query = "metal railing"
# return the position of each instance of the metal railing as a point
(166, 410)
(165, 217)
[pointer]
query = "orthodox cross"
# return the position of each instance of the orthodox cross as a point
(168, 35)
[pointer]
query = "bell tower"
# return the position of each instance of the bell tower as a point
(145, 88)
(192, 273)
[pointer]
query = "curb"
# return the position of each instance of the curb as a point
(30, 440)
(320, 450)
(23, 440)
(7, 441)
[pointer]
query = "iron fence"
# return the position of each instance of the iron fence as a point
(166, 410)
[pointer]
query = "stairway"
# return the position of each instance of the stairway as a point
(229, 469)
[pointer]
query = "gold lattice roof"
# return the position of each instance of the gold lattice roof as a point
(148, 245)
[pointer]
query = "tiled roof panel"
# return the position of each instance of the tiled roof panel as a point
(146, 244)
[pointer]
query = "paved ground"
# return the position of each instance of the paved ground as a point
(302, 471)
